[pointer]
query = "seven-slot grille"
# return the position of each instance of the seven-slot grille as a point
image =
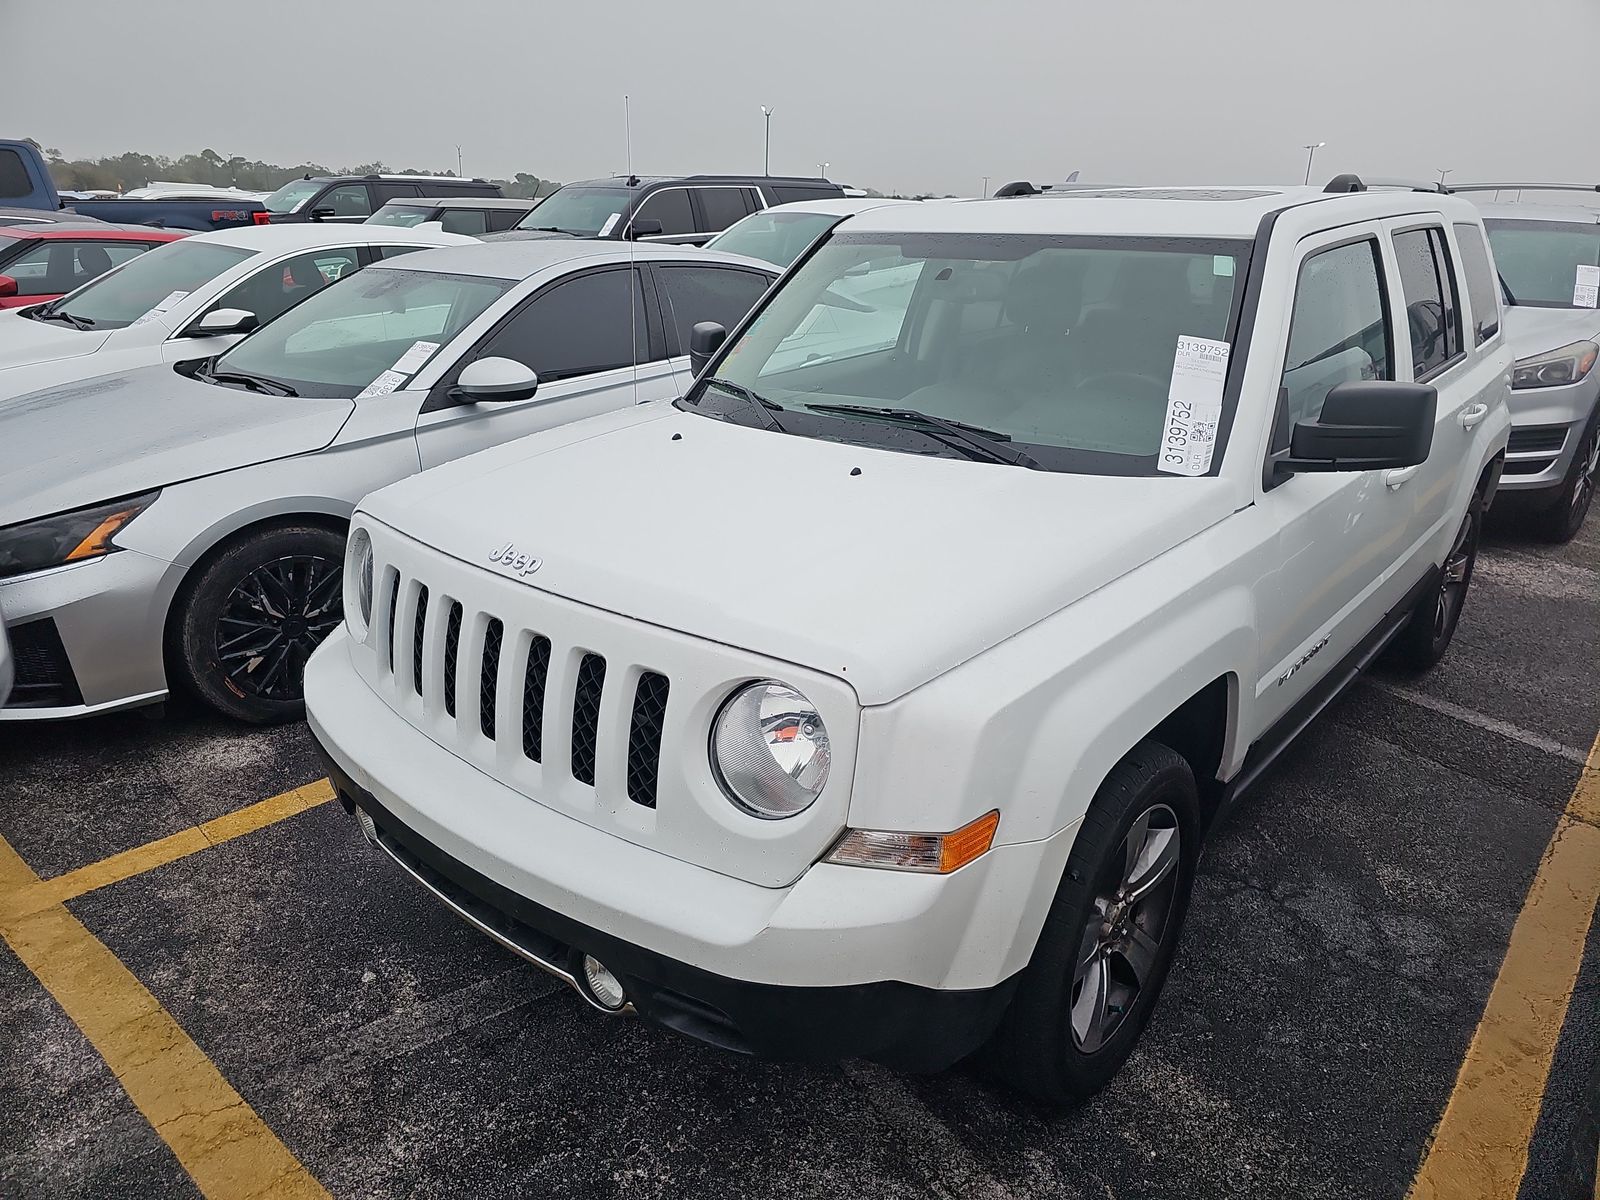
(465, 658)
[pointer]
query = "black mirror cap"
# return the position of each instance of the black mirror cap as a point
(1367, 425)
(648, 227)
(322, 214)
(705, 339)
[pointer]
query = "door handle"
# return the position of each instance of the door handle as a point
(1394, 479)
(1471, 415)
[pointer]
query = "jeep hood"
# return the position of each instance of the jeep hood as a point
(116, 435)
(1533, 331)
(886, 578)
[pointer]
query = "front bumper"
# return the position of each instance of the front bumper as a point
(94, 632)
(1546, 426)
(903, 968)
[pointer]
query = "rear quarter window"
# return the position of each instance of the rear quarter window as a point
(1483, 290)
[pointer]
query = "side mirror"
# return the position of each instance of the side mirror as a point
(1366, 425)
(648, 227)
(8, 286)
(224, 320)
(705, 339)
(322, 214)
(494, 380)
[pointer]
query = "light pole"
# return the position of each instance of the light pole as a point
(1311, 153)
(458, 162)
(766, 158)
(822, 169)
(985, 187)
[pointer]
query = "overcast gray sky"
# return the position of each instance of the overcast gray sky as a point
(908, 94)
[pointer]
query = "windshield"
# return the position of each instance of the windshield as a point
(582, 210)
(292, 195)
(154, 281)
(1539, 261)
(394, 214)
(363, 331)
(777, 237)
(1064, 347)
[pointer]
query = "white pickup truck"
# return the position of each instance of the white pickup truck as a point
(875, 701)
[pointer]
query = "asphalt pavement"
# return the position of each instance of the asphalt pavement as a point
(1349, 922)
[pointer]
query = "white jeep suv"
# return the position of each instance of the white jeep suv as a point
(875, 701)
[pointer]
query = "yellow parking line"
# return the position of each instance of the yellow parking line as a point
(42, 893)
(220, 1141)
(1480, 1149)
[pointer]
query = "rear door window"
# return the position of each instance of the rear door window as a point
(502, 218)
(14, 181)
(720, 294)
(722, 206)
(1483, 290)
(274, 289)
(1427, 281)
(385, 192)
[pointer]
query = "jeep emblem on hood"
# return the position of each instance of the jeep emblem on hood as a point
(514, 560)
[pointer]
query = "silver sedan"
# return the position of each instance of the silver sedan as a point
(185, 523)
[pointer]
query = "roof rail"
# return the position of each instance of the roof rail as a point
(1525, 187)
(1354, 183)
(1023, 187)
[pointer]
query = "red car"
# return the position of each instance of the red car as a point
(41, 262)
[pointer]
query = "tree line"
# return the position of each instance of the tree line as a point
(120, 172)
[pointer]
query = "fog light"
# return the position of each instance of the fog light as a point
(604, 988)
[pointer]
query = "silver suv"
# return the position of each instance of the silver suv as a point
(1548, 257)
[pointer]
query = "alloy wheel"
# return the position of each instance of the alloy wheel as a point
(1120, 946)
(1589, 464)
(272, 620)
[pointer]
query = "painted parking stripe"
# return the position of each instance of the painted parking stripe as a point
(222, 1143)
(42, 893)
(1535, 741)
(1480, 1148)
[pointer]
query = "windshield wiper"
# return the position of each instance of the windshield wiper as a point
(59, 314)
(983, 444)
(759, 404)
(256, 383)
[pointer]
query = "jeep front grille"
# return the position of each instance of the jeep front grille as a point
(458, 656)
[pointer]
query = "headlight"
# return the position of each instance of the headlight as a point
(67, 537)
(1557, 368)
(769, 749)
(358, 581)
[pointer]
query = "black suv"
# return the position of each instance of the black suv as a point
(686, 209)
(354, 198)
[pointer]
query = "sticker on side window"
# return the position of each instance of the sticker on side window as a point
(383, 384)
(1586, 291)
(1194, 406)
(162, 306)
(611, 223)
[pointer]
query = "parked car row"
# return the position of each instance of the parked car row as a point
(851, 667)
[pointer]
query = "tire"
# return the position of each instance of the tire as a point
(1560, 522)
(251, 616)
(1072, 1023)
(1427, 634)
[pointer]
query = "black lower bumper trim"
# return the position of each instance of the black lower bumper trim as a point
(902, 1025)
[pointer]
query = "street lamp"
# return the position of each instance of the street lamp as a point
(1443, 172)
(1311, 153)
(985, 187)
(822, 169)
(766, 161)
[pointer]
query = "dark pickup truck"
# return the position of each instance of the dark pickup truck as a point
(25, 183)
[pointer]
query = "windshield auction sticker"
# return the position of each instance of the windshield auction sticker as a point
(1194, 406)
(171, 299)
(411, 361)
(382, 385)
(1586, 291)
(611, 223)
